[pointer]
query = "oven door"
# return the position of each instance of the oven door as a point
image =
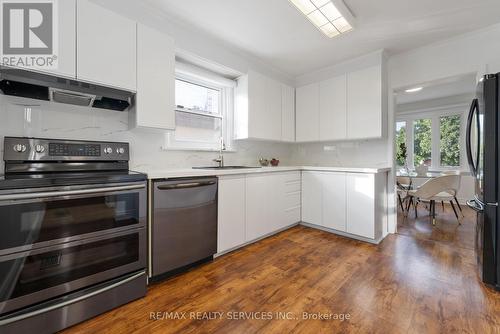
(46, 273)
(41, 217)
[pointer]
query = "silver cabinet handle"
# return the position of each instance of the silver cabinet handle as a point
(11, 197)
(185, 185)
(69, 302)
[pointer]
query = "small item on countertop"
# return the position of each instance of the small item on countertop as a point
(274, 162)
(264, 162)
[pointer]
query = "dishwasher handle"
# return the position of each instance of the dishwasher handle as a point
(185, 185)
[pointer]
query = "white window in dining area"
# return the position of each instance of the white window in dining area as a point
(203, 112)
(434, 139)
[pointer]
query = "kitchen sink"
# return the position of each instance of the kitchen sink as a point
(225, 167)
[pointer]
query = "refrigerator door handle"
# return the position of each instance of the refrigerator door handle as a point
(468, 139)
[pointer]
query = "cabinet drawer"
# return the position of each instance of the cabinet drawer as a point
(292, 200)
(291, 176)
(292, 187)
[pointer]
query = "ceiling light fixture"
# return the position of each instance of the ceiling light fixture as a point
(414, 90)
(331, 17)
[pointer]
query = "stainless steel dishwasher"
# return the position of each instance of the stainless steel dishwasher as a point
(183, 223)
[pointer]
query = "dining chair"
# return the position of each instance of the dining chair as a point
(442, 188)
(404, 183)
(454, 172)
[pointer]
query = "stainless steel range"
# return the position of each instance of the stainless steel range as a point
(72, 232)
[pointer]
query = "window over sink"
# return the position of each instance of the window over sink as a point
(204, 110)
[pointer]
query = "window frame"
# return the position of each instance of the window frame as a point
(435, 116)
(226, 106)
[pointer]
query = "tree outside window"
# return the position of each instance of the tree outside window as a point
(422, 146)
(449, 146)
(401, 152)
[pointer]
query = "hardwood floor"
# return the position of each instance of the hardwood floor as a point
(422, 280)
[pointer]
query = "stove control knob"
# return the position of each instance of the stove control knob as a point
(39, 148)
(20, 148)
(120, 150)
(108, 150)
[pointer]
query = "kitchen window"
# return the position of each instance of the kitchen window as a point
(432, 138)
(203, 113)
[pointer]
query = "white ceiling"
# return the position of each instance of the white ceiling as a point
(277, 33)
(460, 85)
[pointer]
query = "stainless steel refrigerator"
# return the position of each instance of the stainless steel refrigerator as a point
(482, 144)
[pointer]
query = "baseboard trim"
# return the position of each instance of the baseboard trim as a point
(344, 234)
(255, 240)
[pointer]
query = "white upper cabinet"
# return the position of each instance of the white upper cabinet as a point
(261, 110)
(66, 42)
(365, 103)
(106, 47)
(332, 109)
(271, 118)
(307, 113)
(349, 106)
(155, 98)
(287, 113)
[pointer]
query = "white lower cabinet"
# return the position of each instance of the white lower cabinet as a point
(334, 200)
(255, 205)
(231, 212)
(312, 198)
(349, 203)
(323, 199)
(262, 205)
(361, 204)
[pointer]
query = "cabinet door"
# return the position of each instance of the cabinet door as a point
(231, 212)
(334, 201)
(258, 124)
(261, 206)
(66, 42)
(364, 103)
(312, 198)
(332, 109)
(307, 113)
(272, 122)
(360, 190)
(287, 113)
(106, 46)
(155, 99)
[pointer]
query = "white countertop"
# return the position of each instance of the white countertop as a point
(189, 172)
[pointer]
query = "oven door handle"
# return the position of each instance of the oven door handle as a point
(69, 302)
(38, 195)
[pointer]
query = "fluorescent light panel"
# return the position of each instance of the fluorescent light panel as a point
(324, 15)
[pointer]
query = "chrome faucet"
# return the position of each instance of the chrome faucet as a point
(220, 159)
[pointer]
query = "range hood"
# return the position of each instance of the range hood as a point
(33, 85)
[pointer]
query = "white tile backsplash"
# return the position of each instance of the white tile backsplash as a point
(33, 118)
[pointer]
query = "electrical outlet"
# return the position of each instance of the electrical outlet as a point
(329, 148)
